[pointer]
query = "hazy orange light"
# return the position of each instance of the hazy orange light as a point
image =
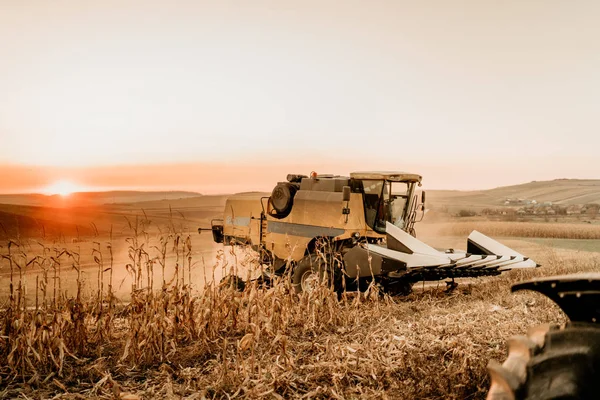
(62, 187)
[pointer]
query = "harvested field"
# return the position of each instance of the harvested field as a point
(176, 341)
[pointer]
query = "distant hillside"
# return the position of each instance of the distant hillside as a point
(87, 220)
(560, 191)
(34, 221)
(93, 198)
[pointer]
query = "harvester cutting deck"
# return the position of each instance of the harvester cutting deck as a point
(351, 231)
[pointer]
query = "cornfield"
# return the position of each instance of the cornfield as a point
(174, 340)
(523, 229)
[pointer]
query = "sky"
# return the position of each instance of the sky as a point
(227, 96)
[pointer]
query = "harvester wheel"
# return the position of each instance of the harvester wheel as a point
(314, 270)
(549, 364)
(233, 281)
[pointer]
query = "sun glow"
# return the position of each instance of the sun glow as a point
(62, 187)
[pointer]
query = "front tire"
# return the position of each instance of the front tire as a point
(315, 270)
(232, 282)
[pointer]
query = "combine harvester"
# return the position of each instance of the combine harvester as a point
(349, 231)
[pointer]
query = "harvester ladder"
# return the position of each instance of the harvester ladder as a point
(263, 220)
(263, 228)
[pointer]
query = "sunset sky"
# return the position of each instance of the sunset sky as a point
(227, 96)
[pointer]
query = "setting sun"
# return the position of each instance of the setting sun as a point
(61, 187)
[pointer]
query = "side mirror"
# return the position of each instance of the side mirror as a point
(346, 193)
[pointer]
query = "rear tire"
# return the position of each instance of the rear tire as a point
(315, 270)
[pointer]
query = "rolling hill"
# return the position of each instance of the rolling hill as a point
(89, 219)
(93, 198)
(559, 191)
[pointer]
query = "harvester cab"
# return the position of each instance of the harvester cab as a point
(359, 229)
(389, 198)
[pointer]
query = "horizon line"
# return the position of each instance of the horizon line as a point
(172, 190)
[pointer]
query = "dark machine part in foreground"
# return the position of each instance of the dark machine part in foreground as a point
(554, 362)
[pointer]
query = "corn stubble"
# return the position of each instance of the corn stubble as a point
(172, 340)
